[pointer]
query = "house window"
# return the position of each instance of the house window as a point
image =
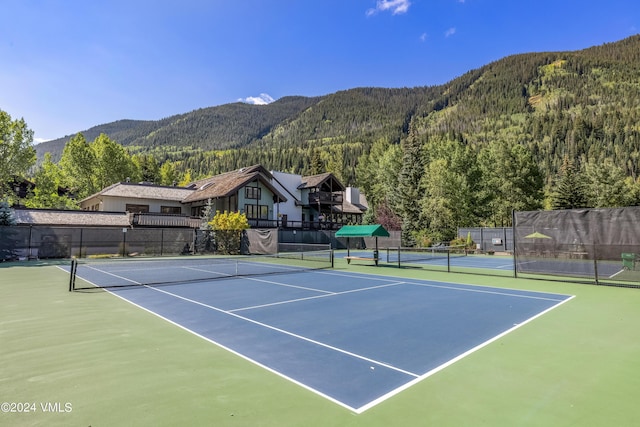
(256, 211)
(252, 193)
(170, 209)
(137, 208)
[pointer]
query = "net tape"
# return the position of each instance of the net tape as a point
(408, 255)
(155, 271)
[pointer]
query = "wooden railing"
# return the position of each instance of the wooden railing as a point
(164, 220)
(325, 197)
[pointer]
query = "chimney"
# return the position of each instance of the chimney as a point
(353, 195)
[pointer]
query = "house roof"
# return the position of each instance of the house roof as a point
(349, 208)
(226, 184)
(374, 230)
(144, 191)
(314, 181)
(70, 218)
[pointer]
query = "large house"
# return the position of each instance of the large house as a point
(138, 198)
(269, 199)
(248, 190)
(318, 201)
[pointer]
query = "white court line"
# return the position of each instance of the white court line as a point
(231, 276)
(264, 325)
(417, 378)
(615, 274)
(451, 285)
(331, 294)
(482, 291)
(111, 274)
(499, 267)
(229, 349)
(456, 359)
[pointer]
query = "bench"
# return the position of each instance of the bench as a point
(360, 258)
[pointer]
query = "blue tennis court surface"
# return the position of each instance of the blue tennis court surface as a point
(503, 263)
(356, 339)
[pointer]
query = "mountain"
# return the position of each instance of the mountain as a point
(222, 127)
(583, 104)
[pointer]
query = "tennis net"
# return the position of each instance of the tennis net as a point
(113, 273)
(405, 255)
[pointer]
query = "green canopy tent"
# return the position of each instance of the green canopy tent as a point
(374, 230)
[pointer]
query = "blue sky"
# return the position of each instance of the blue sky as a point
(68, 65)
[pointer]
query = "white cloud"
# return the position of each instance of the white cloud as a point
(423, 37)
(262, 99)
(37, 141)
(396, 6)
(451, 31)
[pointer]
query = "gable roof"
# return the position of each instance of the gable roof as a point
(144, 191)
(227, 184)
(348, 208)
(314, 181)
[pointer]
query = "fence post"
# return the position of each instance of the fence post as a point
(80, 250)
(513, 228)
(595, 263)
(124, 242)
(504, 235)
(29, 254)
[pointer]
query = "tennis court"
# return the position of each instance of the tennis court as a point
(356, 339)
(439, 259)
(457, 261)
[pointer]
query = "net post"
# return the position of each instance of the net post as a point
(448, 260)
(331, 254)
(72, 275)
(398, 256)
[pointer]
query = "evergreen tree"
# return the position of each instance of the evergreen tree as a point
(7, 240)
(336, 163)
(409, 192)
(317, 165)
(206, 239)
(148, 168)
(6, 214)
(568, 192)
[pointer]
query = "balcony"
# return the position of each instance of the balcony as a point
(164, 220)
(325, 198)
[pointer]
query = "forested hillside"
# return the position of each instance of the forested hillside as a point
(504, 136)
(214, 128)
